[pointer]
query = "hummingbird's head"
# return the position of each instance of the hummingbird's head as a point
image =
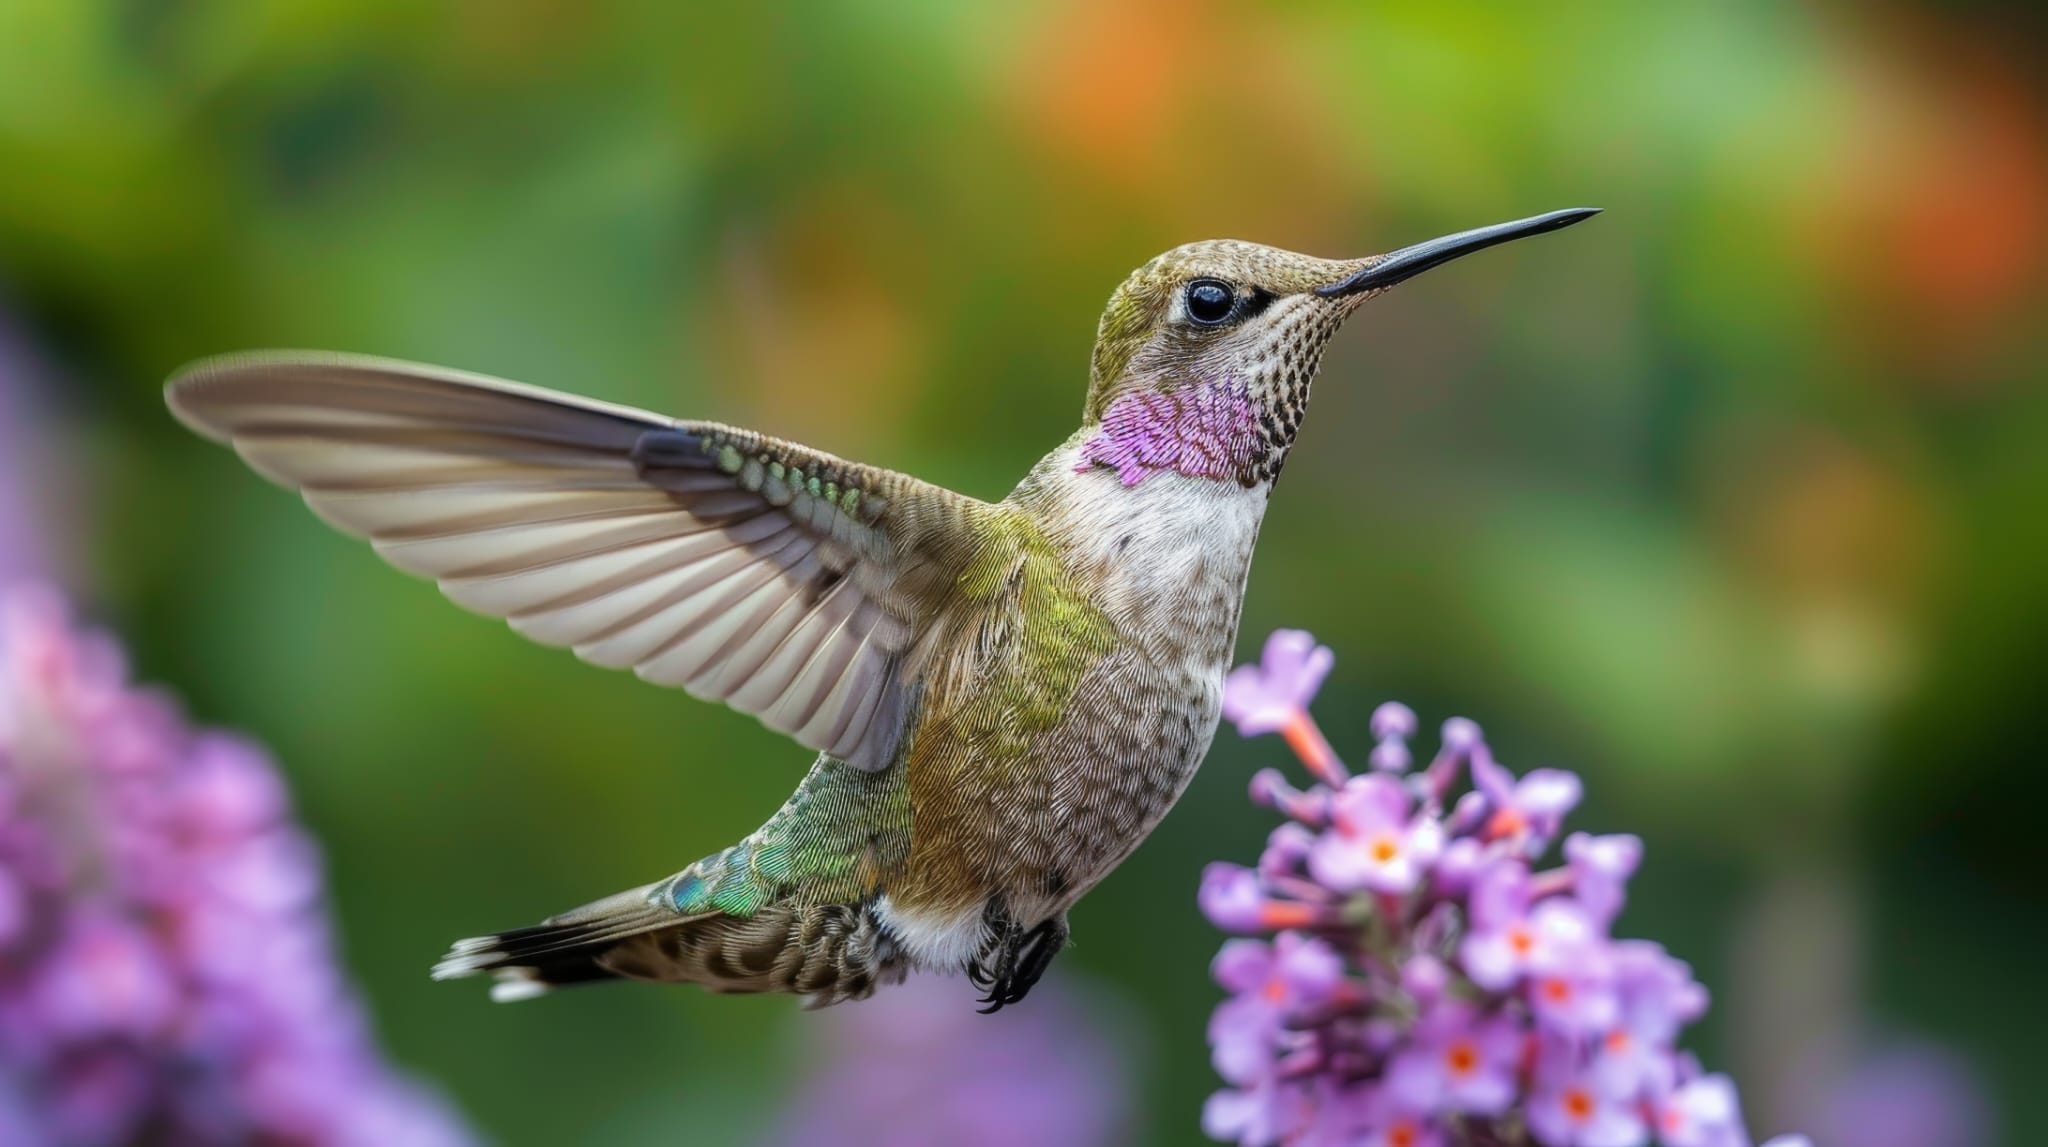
(1254, 319)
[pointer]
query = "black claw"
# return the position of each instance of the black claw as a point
(1020, 960)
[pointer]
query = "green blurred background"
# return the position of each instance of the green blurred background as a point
(1735, 499)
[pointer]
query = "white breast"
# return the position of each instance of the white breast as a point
(1161, 544)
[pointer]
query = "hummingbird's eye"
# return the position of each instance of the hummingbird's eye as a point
(1210, 301)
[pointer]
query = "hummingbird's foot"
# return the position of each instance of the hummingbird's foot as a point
(1020, 957)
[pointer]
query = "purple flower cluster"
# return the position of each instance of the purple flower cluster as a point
(166, 969)
(1427, 983)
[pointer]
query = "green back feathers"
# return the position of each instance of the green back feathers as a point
(1022, 634)
(1040, 631)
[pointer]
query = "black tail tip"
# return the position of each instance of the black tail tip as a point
(571, 948)
(515, 973)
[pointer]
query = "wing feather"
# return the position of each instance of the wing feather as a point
(786, 582)
(459, 510)
(722, 678)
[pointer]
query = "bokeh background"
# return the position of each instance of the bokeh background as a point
(1734, 499)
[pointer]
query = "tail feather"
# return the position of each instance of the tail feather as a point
(564, 949)
(824, 952)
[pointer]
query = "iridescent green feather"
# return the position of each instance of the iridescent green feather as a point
(826, 845)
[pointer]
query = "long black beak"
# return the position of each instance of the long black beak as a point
(1409, 262)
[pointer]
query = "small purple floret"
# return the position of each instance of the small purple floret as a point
(1458, 1060)
(1270, 982)
(1601, 867)
(1393, 719)
(1263, 698)
(1372, 842)
(1462, 735)
(1232, 898)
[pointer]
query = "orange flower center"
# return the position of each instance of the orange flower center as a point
(1383, 849)
(1617, 1042)
(1578, 1104)
(1557, 991)
(1506, 822)
(1462, 1057)
(1275, 990)
(1403, 1134)
(1286, 914)
(1521, 941)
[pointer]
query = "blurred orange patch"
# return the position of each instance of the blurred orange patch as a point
(1202, 113)
(1941, 222)
(1813, 515)
(814, 318)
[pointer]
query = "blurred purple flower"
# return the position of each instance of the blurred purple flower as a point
(1915, 1095)
(912, 1067)
(1427, 985)
(166, 969)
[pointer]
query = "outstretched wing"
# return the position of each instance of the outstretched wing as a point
(782, 581)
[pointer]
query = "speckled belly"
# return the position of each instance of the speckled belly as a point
(1138, 736)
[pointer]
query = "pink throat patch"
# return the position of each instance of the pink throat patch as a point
(1207, 431)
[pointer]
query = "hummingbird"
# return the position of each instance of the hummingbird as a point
(1005, 697)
